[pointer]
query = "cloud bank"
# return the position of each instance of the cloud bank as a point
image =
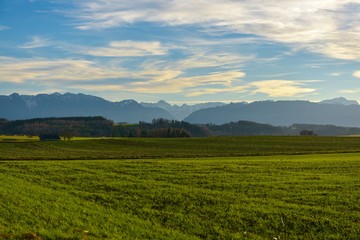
(91, 76)
(318, 26)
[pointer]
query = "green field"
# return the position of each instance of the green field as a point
(140, 148)
(208, 188)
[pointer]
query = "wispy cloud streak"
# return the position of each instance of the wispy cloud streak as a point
(281, 88)
(2, 27)
(22, 70)
(36, 42)
(129, 49)
(356, 74)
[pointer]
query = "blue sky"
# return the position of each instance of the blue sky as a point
(182, 51)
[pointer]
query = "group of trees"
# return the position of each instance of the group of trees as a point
(161, 128)
(66, 127)
(245, 128)
(323, 130)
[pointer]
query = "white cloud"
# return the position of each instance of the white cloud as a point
(22, 70)
(153, 80)
(336, 74)
(36, 42)
(210, 91)
(129, 49)
(99, 87)
(172, 82)
(223, 78)
(279, 75)
(207, 60)
(356, 74)
(316, 25)
(201, 57)
(350, 91)
(280, 88)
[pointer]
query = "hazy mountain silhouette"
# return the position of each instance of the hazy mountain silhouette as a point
(182, 111)
(280, 113)
(338, 111)
(17, 106)
(340, 101)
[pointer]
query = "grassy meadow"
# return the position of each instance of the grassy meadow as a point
(206, 188)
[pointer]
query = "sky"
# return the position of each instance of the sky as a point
(182, 51)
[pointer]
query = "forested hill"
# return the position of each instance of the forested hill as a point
(102, 127)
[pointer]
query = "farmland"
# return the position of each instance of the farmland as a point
(139, 148)
(198, 188)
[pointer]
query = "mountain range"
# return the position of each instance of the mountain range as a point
(15, 107)
(281, 113)
(337, 111)
(182, 111)
(340, 101)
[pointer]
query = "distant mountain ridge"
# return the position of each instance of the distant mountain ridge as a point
(16, 107)
(340, 101)
(281, 113)
(338, 111)
(182, 111)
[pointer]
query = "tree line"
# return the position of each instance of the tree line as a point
(161, 128)
(65, 126)
(68, 127)
(100, 127)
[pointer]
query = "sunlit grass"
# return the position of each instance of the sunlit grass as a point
(195, 188)
(12, 138)
(17, 138)
(260, 197)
